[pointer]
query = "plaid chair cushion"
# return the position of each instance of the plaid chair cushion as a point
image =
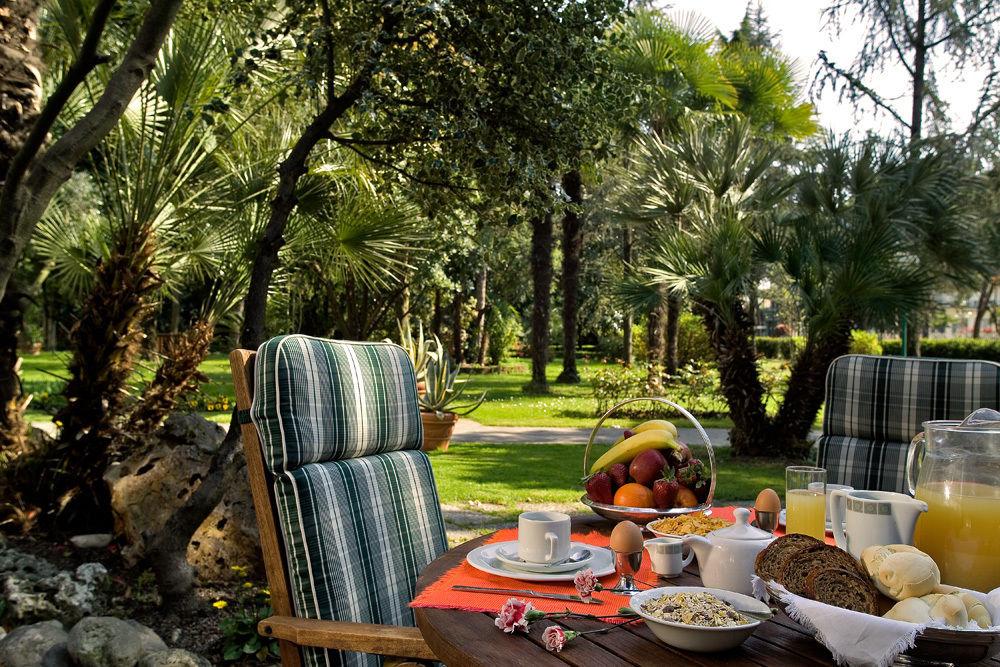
(357, 533)
(875, 405)
(357, 506)
(319, 400)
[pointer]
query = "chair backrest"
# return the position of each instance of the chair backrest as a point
(354, 507)
(875, 405)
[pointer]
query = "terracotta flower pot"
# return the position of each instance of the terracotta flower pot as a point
(437, 430)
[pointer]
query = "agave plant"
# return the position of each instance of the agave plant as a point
(418, 349)
(444, 390)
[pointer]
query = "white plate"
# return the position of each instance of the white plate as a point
(781, 522)
(484, 559)
(505, 549)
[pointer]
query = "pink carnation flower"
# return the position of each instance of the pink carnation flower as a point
(554, 638)
(514, 615)
(586, 583)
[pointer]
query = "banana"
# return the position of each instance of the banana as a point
(651, 425)
(629, 448)
(655, 425)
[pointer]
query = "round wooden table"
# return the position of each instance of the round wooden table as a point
(462, 638)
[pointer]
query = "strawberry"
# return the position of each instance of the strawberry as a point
(665, 489)
(599, 488)
(619, 474)
(695, 477)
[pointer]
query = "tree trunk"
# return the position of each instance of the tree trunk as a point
(403, 307)
(34, 175)
(541, 278)
(655, 329)
(12, 426)
(437, 317)
(807, 385)
(572, 248)
(457, 344)
(919, 68)
(752, 433)
(673, 330)
(482, 338)
(627, 353)
(985, 294)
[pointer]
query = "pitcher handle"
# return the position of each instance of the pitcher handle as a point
(838, 514)
(914, 457)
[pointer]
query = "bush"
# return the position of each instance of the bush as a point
(950, 348)
(865, 342)
(693, 346)
(696, 387)
(784, 347)
(504, 326)
(611, 346)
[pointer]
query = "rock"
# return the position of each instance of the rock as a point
(38, 645)
(106, 641)
(148, 487)
(228, 536)
(173, 658)
(92, 541)
(35, 589)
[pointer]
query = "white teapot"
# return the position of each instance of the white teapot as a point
(726, 556)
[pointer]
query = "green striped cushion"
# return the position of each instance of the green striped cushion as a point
(320, 400)
(357, 533)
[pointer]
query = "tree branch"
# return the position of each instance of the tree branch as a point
(399, 170)
(886, 17)
(859, 85)
(85, 62)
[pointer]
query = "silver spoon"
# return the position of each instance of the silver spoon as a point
(575, 557)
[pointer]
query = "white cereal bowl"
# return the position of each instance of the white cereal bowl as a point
(695, 637)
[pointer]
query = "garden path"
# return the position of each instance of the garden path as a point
(468, 430)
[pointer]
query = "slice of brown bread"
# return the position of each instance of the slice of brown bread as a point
(797, 568)
(771, 560)
(842, 588)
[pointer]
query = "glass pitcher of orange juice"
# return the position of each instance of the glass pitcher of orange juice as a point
(959, 479)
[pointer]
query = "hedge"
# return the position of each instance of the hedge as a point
(783, 347)
(950, 348)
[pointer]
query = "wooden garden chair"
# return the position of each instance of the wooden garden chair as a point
(346, 502)
(875, 405)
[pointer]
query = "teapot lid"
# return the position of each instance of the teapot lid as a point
(741, 530)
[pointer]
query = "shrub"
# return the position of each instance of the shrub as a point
(693, 346)
(504, 326)
(950, 348)
(865, 342)
(240, 639)
(696, 387)
(611, 346)
(784, 347)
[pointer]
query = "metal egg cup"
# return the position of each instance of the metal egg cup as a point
(643, 515)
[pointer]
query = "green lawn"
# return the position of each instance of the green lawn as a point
(506, 475)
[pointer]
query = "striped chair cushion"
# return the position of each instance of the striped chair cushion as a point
(356, 502)
(318, 400)
(357, 533)
(875, 405)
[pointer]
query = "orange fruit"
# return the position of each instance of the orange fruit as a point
(685, 498)
(634, 495)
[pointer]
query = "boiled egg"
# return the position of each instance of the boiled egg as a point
(768, 501)
(626, 538)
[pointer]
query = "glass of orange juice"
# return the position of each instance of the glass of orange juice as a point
(805, 501)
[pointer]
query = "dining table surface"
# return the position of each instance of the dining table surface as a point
(462, 638)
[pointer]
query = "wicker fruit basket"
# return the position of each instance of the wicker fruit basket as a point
(643, 515)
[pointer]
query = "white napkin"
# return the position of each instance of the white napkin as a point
(856, 639)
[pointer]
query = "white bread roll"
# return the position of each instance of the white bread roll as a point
(900, 571)
(977, 610)
(948, 608)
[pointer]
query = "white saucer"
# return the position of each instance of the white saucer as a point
(484, 559)
(504, 549)
(781, 522)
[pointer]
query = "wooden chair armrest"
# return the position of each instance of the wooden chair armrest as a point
(345, 636)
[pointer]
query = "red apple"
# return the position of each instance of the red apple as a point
(647, 466)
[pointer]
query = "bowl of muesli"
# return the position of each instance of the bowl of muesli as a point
(700, 619)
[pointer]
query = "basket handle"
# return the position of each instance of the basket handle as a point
(655, 399)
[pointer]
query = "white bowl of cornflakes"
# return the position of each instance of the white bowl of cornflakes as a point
(698, 523)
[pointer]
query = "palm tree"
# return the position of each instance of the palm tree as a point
(861, 231)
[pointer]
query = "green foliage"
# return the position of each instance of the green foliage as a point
(240, 616)
(417, 348)
(779, 347)
(693, 345)
(504, 326)
(950, 348)
(865, 342)
(444, 389)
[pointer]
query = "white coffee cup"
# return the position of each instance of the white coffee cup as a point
(665, 556)
(543, 537)
(830, 488)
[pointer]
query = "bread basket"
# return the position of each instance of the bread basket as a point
(643, 515)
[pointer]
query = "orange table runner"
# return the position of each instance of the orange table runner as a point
(441, 595)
